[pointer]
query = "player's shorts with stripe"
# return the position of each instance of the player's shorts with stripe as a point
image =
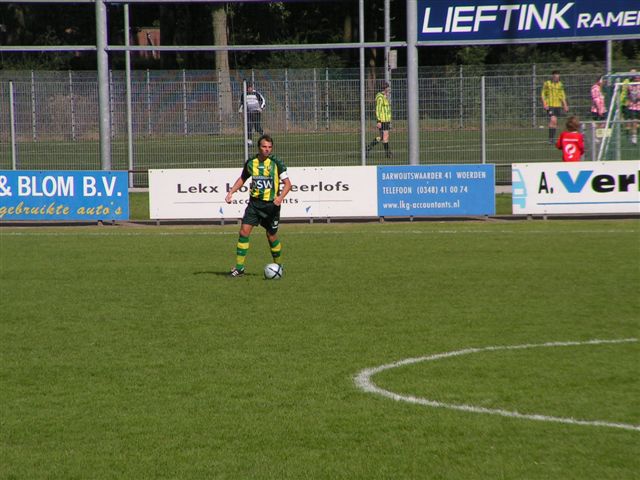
(385, 126)
(260, 212)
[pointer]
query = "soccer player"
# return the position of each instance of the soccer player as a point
(571, 141)
(622, 99)
(598, 108)
(255, 105)
(554, 100)
(268, 173)
(633, 107)
(383, 120)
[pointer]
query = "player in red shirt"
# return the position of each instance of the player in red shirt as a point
(571, 141)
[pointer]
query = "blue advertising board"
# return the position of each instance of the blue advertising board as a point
(460, 22)
(63, 195)
(437, 190)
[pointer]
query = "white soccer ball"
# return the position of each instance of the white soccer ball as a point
(273, 271)
(249, 142)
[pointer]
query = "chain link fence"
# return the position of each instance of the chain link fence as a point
(185, 119)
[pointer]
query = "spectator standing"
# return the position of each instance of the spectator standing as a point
(255, 106)
(554, 101)
(571, 141)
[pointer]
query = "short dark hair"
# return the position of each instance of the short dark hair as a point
(265, 137)
(555, 72)
(573, 124)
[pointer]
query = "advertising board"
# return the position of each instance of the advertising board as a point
(436, 190)
(576, 187)
(63, 195)
(460, 22)
(316, 193)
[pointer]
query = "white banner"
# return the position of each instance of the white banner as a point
(316, 193)
(576, 187)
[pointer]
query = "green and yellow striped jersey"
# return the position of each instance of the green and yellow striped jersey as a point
(383, 108)
(624, 91)
(265, 176)
(553, 93)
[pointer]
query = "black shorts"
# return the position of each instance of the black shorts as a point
(554, 111)
(633, 114)
(385, 126)
(598, 118)
(259, 212)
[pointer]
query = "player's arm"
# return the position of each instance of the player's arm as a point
(563, 97)
(379, 107)
(286, 188)
(262, 101)
(544, 95)
(236, 186)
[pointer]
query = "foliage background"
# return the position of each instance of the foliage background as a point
(258, 23)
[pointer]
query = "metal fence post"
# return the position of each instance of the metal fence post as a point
(315, 99)
(326, 80)
(112, 106)
(219, 82)
(461, 96)
(127, 59)
(12, 119)
(184, 103)
(104, 120)
(533, 96)
(483, 122)
(594, 145)
(33, 107)
(148, 103)
(286, 100)
(73, 108)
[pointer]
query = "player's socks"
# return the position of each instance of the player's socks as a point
(386, 149)
(241, 252)
(372, 144)
(276, 251)
(552, 135)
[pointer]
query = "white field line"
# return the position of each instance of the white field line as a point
(364, 382)
(33, 232)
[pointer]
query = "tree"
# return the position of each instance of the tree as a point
(219, 22)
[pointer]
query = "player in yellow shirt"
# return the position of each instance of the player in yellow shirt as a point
(554, 101)
(383, 120)
(267, 172)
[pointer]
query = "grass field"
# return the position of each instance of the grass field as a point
(449, 145)
(127, 353)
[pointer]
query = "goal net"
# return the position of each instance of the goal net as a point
(617, 137)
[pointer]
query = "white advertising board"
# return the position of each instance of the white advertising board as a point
(316, 193)
(576, 187)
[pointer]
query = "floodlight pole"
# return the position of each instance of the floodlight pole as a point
(413, 115)
(103, 84)
(127, 57)
(387, 39)
(363, 127)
